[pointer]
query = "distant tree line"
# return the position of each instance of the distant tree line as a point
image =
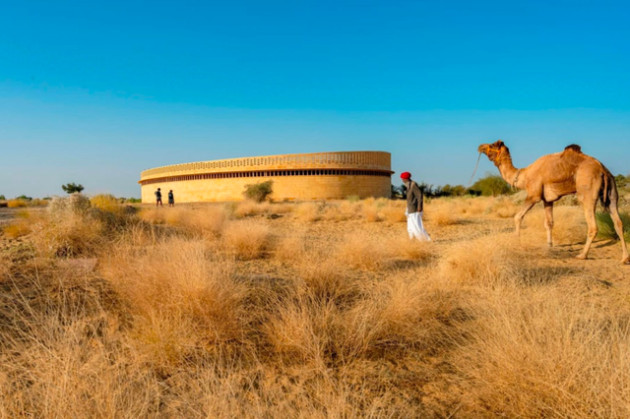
(489, 185)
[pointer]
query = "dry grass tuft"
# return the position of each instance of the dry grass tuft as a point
(410, 249)
(309, 212)
(290, 248)
(394, 212)
(362, 251)
(488, 260)
(371, 213)
(245, 240)
(547, 353)
(250, 208)
(184, 300)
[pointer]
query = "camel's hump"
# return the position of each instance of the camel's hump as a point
(573, 147)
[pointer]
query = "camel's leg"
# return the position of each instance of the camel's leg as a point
(589, 214)
(614, 214)
(549, 221)
(518, 218)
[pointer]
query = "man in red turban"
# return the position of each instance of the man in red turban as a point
(415, 207)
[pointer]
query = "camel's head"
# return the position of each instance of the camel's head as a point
(494, 151)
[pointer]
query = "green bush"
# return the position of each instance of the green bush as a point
(491, 185)
(607, 228)
(72, 188)
(259, 191)
(2, 198)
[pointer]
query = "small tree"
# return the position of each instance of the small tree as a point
(492, 185)
(259, 191)
(2, 198)
(72, 188)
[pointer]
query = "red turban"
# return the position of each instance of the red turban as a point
(405, 175)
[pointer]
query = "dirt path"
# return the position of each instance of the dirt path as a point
(6, 215)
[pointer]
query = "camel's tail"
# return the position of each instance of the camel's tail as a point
(608, 193)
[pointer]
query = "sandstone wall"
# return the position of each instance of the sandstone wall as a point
(365, 174)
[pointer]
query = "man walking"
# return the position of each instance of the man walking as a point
(171, 199)
(158, 197)
(415, 206)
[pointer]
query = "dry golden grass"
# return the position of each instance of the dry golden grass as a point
(17, 203)
(362, 251)
(394, 212)
(245, 240)
(207, 221)
(195, 312)
(308, 212)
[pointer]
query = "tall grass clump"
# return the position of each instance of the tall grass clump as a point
(184, 300)
(65, 354)
(245, 240)
(551, 352)
(607, 228)
(362, 251)
(69, 229)
(309, 212)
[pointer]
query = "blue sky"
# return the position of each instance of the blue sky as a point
(95, 92)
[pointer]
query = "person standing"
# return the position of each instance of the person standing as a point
(171, 199)
(415, 207)
(158, 197)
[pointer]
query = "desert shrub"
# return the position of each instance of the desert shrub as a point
(3, 198)
(353, 198)
(106, 202)
(71, 188)
(491, 185)
(17, 203)
(607, 228)
(258, 192)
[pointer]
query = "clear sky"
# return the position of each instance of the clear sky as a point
(94, 92)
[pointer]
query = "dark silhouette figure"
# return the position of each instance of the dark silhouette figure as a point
(158, 197)
(171, 199)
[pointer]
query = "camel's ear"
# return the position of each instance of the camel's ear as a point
(498, 144)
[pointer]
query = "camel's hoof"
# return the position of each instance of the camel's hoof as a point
(581, 257)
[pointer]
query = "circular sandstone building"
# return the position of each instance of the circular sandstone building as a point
(295, 177)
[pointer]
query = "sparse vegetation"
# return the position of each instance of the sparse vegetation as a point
(71, 188)
(606, 226)
(491, 185)
(308, 310)
(259, 192)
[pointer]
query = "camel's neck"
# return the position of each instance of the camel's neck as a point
(509, 173)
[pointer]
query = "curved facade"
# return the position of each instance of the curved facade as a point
(295, 177)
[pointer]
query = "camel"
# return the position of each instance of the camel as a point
(555, 175)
